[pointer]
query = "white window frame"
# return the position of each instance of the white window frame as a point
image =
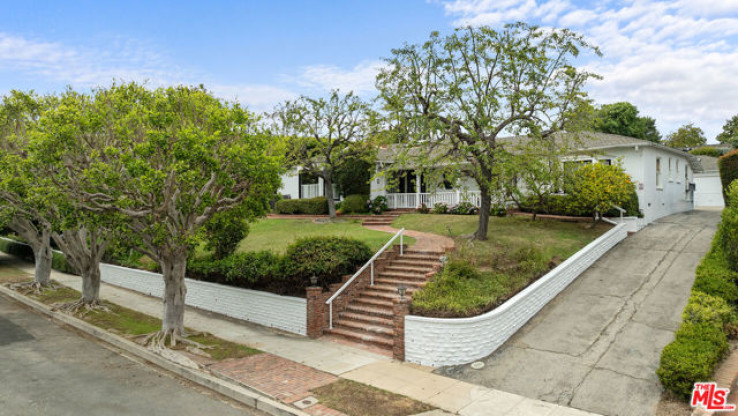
(659, 179)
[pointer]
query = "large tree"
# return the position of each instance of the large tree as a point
(456, 95)
(325, 134)
(686, 136)
(623, 118)
(730, 132)
(167, 160)
(24, 204)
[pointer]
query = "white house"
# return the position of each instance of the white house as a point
(297, 184)
(664, 177)
(709, 192)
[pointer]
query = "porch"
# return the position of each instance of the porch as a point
(417, 199)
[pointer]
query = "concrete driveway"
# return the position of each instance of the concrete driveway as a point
(597, 345)
(48, 370)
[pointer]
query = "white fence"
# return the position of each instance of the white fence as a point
(437, 342)
(415, 200)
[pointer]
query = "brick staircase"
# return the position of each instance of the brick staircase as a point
(384, 219)
(368, 317)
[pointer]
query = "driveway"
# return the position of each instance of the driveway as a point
(597, 345)
(48, 370)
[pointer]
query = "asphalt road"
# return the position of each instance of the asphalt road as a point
(48, 370)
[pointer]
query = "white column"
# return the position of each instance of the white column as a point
(321, 187)
(417, 190)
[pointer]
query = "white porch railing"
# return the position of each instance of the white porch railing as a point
(415, 200)
(369, 263)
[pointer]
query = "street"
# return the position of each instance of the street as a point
(49, 370)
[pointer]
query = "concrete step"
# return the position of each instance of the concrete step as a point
(363, 326)
(415, 269)
(367, 319)
(362, 337)
(402, 262)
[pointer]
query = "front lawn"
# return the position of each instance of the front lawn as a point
(276, 234)
(483, 274)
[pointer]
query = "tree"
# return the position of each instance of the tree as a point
(623, 118)
(730, 132)
(325, 134)
(456, 95)
(23, 204)
(596, 187)
(224, 231)
(168, 160)
(686, 136)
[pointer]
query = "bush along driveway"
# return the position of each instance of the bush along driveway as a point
(596, 346)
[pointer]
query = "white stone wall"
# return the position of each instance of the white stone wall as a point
(281, 312)
(437, 342)
(709, 190)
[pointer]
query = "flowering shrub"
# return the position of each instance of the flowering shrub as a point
(440, 208)
(464, 208)
(377, 205)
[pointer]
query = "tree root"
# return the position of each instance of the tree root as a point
(31, 287)
(158, 341)
(81, 307)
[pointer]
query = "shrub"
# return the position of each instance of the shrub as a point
(631, 206)
(464, 208)
(223, 232)
(327, 258)
(703, 308)
(353, 177)
(729, 228)
(596, 187)
(440, 208)
(312, 206)
(378, 205)
(423, 209)
(498, 210)
(692, 357)
(715, 278)
(355, 204)
(728, 165)
(706, 151)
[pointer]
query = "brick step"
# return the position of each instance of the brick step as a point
(362, 337)
(408, 269)
(401, 275)
(374, 302)
(396, 282)
(391, 288)
(420, 256)
(367, 319)
(401, 261)
(362, 326)
(382, 294)
(370, 310)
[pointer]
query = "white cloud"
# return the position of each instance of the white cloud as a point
(359, 79)
(675, 59)
(258, 98)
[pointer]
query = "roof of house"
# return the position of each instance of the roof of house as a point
(583, 142)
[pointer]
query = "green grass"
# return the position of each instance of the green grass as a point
(358, 399)
(517, 252)
(130, 323)
(277, 234)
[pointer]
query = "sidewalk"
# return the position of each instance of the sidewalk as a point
(295, 364)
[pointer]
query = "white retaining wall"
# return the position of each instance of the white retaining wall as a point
(437, 341)
(282, 312)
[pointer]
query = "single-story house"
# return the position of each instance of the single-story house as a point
(664, 177)
(297, 184)
(709, 192)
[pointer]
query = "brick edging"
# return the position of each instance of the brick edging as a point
(230, 390)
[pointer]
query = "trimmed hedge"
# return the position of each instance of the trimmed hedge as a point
(728, 230)
(701, 341)
(728, 166)
(311, 206)
(706, 151)
(328, 258)
(355, 204)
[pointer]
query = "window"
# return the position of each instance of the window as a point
(677, 169)
(671, 177)
(605, 161)
(659, 183)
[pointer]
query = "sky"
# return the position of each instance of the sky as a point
(676, 60)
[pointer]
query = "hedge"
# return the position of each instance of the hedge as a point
(728, 229)
(706, 151)
(355, 204)
(311, 206)
(562, 205)
(701, 341)
(728, 166)
(327, 258)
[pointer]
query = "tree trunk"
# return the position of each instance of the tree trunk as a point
(43, 257)
(484, 208)
(91, 285)
(328, 184)
(173, 270)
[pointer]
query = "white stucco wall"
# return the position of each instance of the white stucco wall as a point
(437, 342)
(709, 191)
(671, 197)
(290, 184)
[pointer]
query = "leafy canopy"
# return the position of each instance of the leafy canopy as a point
(686, 136)
(623, 118)
(730, 132)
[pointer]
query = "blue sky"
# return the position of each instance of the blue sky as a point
(675, 59)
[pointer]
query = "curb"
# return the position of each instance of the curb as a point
(235, 392)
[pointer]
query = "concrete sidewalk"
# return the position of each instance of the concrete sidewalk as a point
(416, 382)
